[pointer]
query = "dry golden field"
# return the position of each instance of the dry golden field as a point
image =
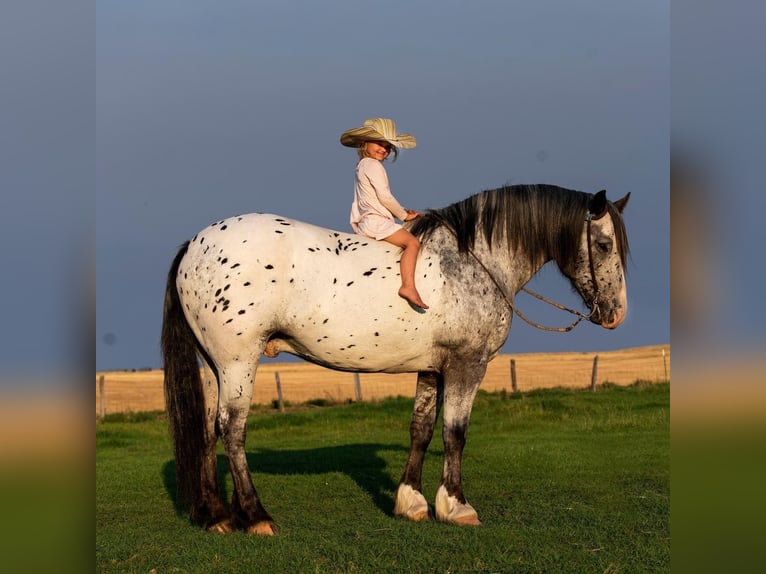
(142, 391)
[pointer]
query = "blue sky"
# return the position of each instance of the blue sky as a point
(207, 110)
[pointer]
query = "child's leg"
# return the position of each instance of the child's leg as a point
(406, 240)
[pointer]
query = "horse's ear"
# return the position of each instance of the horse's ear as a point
(597, 204)
(621, 203)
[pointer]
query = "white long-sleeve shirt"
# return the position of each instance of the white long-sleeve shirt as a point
(374, 207)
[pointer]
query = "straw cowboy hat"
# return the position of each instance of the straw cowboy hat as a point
(377, 129)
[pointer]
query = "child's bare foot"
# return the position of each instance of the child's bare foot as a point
(412, 295)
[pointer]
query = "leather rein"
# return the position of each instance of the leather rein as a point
(589, 217)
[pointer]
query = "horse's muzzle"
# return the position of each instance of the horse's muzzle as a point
(609, 317)
(614, 318)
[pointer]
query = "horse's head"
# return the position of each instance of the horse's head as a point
(599, 269)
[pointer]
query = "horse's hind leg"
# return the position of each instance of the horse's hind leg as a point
(461, 381)
(235, 392)
(213, 511)
(410, 502)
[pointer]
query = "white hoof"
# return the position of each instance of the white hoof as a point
(264, 528)
(448, 509)
(410, 504)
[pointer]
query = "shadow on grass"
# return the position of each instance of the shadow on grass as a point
(360, 462)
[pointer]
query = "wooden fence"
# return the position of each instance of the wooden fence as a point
(293, 383)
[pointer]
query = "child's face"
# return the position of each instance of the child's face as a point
(377, 149)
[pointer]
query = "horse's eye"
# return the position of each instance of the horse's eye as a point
(604, 246)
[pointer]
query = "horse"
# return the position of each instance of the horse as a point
(259, 284)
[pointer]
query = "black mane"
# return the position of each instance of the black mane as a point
(544, 221)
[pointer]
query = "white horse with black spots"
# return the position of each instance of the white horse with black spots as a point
(258, 283)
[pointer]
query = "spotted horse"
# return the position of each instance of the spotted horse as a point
(259, 283)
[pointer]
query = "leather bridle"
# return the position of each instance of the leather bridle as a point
(589, 217)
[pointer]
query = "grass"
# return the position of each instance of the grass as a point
(564, 481)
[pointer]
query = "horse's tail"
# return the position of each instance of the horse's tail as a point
(184, 398)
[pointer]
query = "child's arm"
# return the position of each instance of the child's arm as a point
(379, 179)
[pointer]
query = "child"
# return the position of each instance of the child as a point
(374, 207)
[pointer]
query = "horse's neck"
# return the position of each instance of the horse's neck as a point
(511, 269)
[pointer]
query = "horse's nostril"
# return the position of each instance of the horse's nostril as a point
(614, 319)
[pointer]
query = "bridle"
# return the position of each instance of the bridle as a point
(589, 217)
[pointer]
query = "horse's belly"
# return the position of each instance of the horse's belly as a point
(380, 332)
(379, 355)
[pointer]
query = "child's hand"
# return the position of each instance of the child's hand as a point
(412, 214)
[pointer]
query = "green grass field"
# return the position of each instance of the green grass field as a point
(564, 481)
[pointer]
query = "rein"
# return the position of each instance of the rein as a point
(580, 316)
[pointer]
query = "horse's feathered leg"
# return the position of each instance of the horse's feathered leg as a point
(216, 514)
(235, 393)
(461, 381)
(410, 502)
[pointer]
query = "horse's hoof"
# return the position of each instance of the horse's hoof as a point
(415, 513)
(222, 527)
(469, 519)
(418, 514)
(410, 504)
(262, 529)
(448, 509)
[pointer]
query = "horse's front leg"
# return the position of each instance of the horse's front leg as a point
(410, 502)
(461, 381)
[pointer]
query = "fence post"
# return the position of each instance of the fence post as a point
(514, 386)
(665, 363)
(101, 397)
(280, 401)
(357, 387)
(594, 376)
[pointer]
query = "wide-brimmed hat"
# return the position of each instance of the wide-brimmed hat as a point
(377, 129)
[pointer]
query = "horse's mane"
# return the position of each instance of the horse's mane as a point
(540, 220)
